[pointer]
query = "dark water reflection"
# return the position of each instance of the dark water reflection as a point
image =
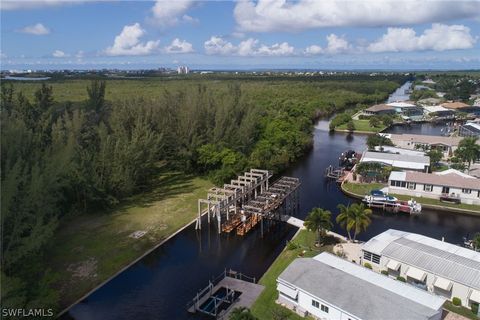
(159, 286)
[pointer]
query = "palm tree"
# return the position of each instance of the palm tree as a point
(468, 150)
(361, 218)
(345, 219)
(319, 220)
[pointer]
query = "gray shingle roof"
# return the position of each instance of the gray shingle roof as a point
(359, 291)
(434, 256)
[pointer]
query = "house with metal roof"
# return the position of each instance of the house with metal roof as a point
(451, 184)
(402, 161)
(329, 287)
(470, 129)
(408, 110)
(435, 266)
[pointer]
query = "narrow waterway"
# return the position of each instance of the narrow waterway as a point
(401, 94)
(159, 286)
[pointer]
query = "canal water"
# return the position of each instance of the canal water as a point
(401, 94)
(160, 285)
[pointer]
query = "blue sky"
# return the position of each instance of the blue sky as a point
(331, 34)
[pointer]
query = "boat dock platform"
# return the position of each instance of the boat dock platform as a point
(228, 291)
(246, 201)
(336, 174)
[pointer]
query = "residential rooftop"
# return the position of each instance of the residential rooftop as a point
(446, 260)
(455, 105)
(358, 290)
(425, 139)
(380, 107)
(397, 160)
(402, 104)
(451, 179)
(431, 109)
(473, 127)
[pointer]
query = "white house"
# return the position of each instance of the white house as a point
(329, 287)
(435, 266)
(452, 183)
(402, 161)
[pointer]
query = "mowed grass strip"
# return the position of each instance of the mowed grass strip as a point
(265, 304)
(91, 247)
(362, 125)
(362, 189)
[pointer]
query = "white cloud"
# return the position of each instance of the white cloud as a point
(250, 47)
(3, 55)
(283, 15)
(36, 29)
(127, 43)
(80, 54)
(168, 13)
(36, 4)
(335, 45)
(278, 49)
(439, 37)
(179, 46)
(59, 54)
(216, 45)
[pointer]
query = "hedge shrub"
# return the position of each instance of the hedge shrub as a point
(456, 301)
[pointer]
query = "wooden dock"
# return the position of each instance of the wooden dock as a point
(336, 174)
(246, 201)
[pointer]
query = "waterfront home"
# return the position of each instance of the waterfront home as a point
(435, 266)
(423, 142)
(379, 109)
(390, 149)
(409, 111)
(450, 183)
(429, 101)
(470, 129)
(401, 161)
(329, 287)
(438, 112)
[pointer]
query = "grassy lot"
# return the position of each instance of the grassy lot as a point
(362, 125)
(440, 203)
(90, 248)
(460, 310)
(265, 304)
(365, 188)
(362, 188)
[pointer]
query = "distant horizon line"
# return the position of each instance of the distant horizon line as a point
(264, 69)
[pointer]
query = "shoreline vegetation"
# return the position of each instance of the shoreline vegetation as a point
(82, 171)
(359, 190)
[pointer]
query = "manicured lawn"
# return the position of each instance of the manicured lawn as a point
(263, 306)
(363, 125)
(362, 188)
(91, 247)
(365, 188)
(460, 310)
(439, 203)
